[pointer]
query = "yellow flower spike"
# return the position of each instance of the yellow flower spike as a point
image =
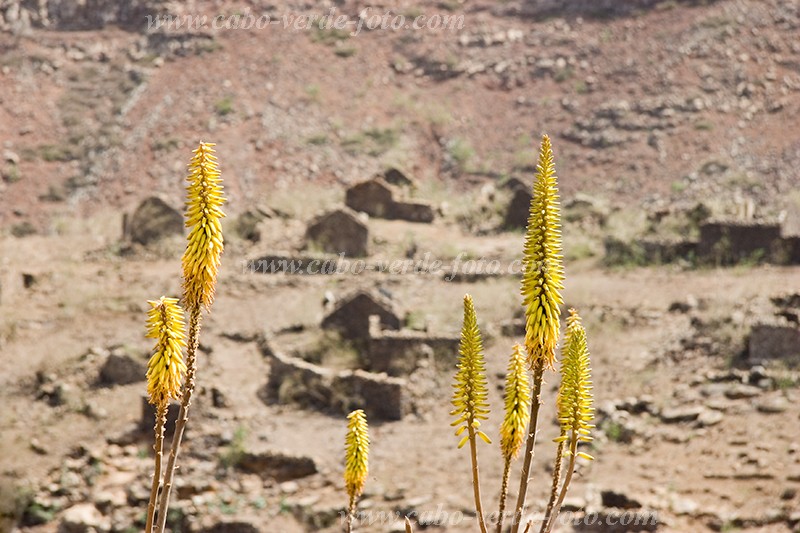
(575, 411)
(201, 259)
(165, 368)
(518, 403)
(470, 396)
(357, 454)
(543, 271)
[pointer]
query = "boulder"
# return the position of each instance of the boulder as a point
(152, 220)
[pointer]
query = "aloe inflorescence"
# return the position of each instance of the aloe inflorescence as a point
(201, 260)
(356, 465)
(516, 419)
(543, 271)
(166, 367)
(470, 396)
(575, 412)
(165, 371)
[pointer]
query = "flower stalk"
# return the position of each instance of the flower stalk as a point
(542, 282)
(201, 261)
(575, 411)
(517, 416)
(470, 397)
(164, 373)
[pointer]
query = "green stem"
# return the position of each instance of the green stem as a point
(536, 401)
(183, 416)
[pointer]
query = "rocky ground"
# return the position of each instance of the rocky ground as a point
(665, 117)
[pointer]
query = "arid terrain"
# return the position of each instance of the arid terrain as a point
(674, 126)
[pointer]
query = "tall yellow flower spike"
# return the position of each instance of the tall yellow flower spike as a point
(165, 368)
(201, 259)
(470, 396)
(518, 403)
(575, 411)
(357, 454)
(543, 272)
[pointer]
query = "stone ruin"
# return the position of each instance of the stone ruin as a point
(372, 323)
(730, 242)
(397, 177)
(152, 220)
(518, 209)
(351, 315)
(293, 380)
(388, 355)
(598, 8)
(721, 242)
(777, 338)
(376, 197)
(339, 232)
(399, 353)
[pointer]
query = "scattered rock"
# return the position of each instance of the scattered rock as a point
(58, 394)
(218, 398)
(773, 405)
(709, 417)
(277, 466)
(619, 500)
(738, 391)
(681, 414)
(152, 220)
(83, 518)
(614, 521)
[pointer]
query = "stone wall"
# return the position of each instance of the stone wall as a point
(776, 340)
(730, 242)
(292, 380)
(398, 353)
